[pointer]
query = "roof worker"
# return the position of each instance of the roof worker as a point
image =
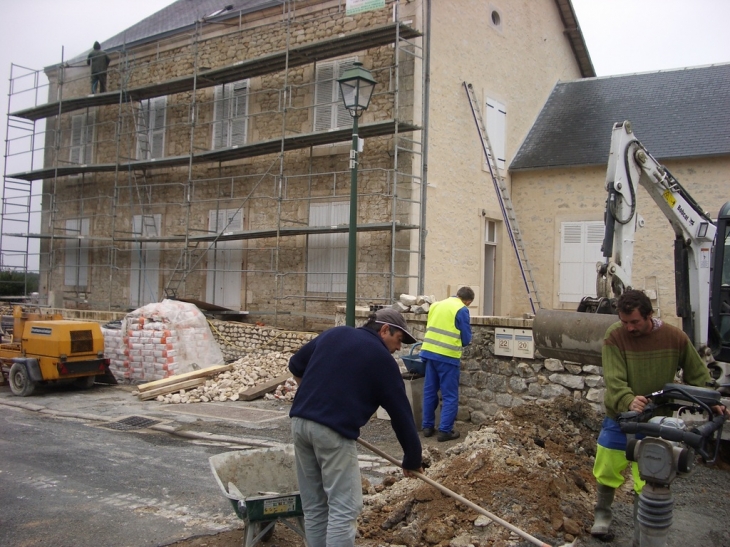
(343, 375)
(641, 354)
(99, 61)
(448, 332)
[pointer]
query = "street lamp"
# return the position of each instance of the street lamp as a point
(356, 88)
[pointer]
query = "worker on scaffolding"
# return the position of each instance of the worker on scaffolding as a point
(99, 61)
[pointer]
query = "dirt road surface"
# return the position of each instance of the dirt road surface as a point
(531, 467)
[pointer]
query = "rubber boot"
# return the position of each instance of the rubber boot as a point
(602, 515)
(637, 526)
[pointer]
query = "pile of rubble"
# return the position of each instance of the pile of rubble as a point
(407, 303)
(531, 466)
(256, 368)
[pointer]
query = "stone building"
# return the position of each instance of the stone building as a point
(216, 168)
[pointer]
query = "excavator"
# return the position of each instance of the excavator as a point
(701, 260)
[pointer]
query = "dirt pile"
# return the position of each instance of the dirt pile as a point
(530, 466)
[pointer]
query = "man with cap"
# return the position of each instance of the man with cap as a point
(344, 374)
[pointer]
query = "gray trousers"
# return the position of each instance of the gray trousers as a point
(329, 484)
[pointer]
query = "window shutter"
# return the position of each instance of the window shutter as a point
(323, 96)
(327, 253)
(496, 129)
(580, 249)
(158, 109)
(143, 128)
(88, 137)
(76, 270)
(77, 126)
(239, 113)
(343, 116)
(219, 117)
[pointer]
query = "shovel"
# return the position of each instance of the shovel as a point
(458, 498)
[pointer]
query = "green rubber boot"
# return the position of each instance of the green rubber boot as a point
(602, 515)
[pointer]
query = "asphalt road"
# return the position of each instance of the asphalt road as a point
(66, 482)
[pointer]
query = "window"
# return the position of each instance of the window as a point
(329, 110)
(230, 111)
(327, 253)
(82, 138)
(580, 249)
(496, 123)
(76, 267)
(225, 259)
(151, 128)
(145, 261)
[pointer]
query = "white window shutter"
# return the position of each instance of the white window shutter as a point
(327, 253)
(339, 244)
(323, 96)
(219, 118)
(496, 129)
(88, 138)
(77, 126)
(143, 128)
(239, 113)
(76, 267)
(158, 110)
(580, 249)
(343, 116)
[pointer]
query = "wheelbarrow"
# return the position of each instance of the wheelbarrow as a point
(261, 484)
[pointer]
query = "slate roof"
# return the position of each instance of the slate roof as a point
(676, 114)
(182, 15)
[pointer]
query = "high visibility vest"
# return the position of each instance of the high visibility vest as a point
(442, 336)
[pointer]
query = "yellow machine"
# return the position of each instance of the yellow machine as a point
(45, 348)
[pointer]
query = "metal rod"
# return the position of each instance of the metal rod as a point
(457, 497)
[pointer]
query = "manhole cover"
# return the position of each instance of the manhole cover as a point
(133, 422)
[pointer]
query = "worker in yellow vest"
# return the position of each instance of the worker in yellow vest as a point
(448, 331)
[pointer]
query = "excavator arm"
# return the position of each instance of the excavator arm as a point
(577, 336)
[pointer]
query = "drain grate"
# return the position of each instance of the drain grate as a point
(133, 422)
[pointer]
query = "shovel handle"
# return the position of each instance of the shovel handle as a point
(456, 496)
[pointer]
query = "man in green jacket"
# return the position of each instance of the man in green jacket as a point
(641, 354)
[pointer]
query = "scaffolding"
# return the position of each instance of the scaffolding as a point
(159, 188)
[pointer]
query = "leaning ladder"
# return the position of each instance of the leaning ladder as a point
(505, 203)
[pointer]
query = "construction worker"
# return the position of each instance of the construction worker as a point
(99, 62)
(448, 331)
(640, 355)
(344, 374)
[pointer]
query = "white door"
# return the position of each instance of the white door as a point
(225, 259)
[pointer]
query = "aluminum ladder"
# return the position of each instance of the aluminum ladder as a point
(505, 203)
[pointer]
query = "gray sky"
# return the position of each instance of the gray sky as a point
(623, 36)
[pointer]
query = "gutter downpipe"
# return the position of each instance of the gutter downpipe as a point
(424, 179)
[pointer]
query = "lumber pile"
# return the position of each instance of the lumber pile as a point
(187, 380)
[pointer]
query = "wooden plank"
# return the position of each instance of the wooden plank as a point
(152, 393)
(203, 372)
(259, 391)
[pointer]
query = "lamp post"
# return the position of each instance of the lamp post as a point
(356, 88)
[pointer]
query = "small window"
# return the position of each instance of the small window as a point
(230, 115)
(490, 234)
(151, 128)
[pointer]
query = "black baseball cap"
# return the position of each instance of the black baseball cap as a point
(392, 317)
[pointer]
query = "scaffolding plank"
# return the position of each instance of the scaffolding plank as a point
(297, 56)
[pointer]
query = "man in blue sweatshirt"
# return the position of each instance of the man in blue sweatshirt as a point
(344, 375)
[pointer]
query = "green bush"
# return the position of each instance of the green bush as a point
(17, 283)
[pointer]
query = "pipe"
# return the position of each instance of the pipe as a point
(457, 497)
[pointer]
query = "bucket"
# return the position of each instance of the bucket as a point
(413, 363)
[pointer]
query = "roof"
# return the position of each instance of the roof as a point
(676, 114)
(182, 15)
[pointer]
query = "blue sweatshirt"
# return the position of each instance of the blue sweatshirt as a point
(346, 374)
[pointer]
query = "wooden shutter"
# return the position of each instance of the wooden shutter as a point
(158, 110)
(327, 253)
(77, 123)
(76, 266)
(343, 116)
(239, 113)
(220, 116)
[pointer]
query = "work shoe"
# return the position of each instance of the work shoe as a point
(447, 435)
(428, 431)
